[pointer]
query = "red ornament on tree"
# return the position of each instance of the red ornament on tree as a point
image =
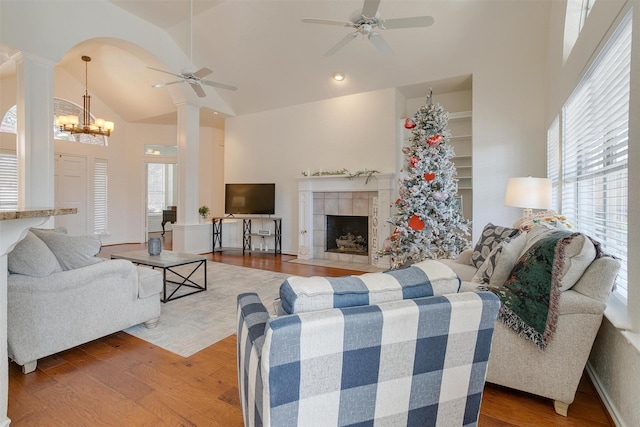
(434, 141)
(416, 223)
(413, 161)
(409, 123)
(430, 176)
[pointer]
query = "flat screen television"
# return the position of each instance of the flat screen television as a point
(249, 199)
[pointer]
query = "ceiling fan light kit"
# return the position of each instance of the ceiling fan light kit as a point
(365, 24)
(71, 123)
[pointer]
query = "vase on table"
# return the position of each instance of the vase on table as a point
(154, 246)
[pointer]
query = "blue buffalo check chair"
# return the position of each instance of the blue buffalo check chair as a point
(410, 358)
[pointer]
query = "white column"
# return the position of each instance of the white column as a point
(188, 234)
(35, 131)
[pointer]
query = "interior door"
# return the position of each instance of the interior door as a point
(70, 178)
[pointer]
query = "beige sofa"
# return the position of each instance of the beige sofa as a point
(60, 295)
(554, 372)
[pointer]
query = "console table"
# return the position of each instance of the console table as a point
(168, 215)
(247, 233)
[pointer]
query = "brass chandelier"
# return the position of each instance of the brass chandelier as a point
(71, 123)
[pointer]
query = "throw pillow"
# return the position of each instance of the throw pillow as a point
(73, 251)
(491, 237)
(579, 252)
(32, 257)
(496, 268)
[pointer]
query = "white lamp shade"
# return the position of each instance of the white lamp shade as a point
(529, 193)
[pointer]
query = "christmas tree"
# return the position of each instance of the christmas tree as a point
(428, 221)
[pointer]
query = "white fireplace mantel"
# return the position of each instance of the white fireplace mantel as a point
(383, 184)
(340, 183)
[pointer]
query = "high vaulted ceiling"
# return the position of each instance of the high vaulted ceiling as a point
(276, 60)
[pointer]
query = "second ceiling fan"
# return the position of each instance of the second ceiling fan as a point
(367, 22)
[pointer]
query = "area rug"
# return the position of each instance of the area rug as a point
(194, 322)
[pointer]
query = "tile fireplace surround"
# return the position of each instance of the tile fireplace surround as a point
(341, 195)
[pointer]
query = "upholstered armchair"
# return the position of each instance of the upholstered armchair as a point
(555, 371)
(415, 361)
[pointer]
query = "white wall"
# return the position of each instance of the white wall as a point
(507, 60)
(353, 132)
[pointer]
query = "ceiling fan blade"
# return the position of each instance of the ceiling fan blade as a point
(412, 22)
(202, 72)
(380, 44)
(198, 89)
(328, 22)
(342, 43)
(166, 84)
(370, 8)
(166, 72)
(220, 85)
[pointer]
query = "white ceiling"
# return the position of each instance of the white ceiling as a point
(275, 59)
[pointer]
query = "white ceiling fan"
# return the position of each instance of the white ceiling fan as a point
(366, 23)
(190, 74)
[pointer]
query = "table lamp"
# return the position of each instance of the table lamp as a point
(528, 193)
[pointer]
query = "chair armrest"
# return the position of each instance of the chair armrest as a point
(252, 321)
(599, 278)
(70, 280)
(465, 257)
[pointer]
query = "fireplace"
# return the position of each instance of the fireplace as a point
(347, 234)
(340, 196)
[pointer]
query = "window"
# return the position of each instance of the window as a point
(553, 163)
(161, 180)
(594, 150)
(61, 107)
(100, 177)
(8, 179)
(576, 15)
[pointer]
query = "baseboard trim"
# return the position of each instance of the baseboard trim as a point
(604, 396)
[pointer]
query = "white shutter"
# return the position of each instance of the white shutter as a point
(8, 179)
(594, 150)
(553, 162)
(100, 187)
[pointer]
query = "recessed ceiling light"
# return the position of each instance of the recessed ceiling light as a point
(338, 77)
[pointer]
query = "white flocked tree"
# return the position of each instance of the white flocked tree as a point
(428, 223)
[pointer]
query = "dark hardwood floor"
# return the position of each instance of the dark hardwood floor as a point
(120, 380)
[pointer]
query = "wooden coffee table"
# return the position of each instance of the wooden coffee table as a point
(167, 261)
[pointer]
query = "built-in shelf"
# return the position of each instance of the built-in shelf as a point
(460, 125)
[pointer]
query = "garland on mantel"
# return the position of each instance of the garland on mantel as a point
(366, 172)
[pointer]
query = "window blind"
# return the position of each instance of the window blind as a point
(553, 162)
(595, 150)
(8, 179)
(100, 175)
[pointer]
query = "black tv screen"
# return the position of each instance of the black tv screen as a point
(250, 199)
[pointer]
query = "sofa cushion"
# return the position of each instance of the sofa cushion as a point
(423, 279)
(492, 236)
(72, 251)
(32, 257)
(495, 270)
